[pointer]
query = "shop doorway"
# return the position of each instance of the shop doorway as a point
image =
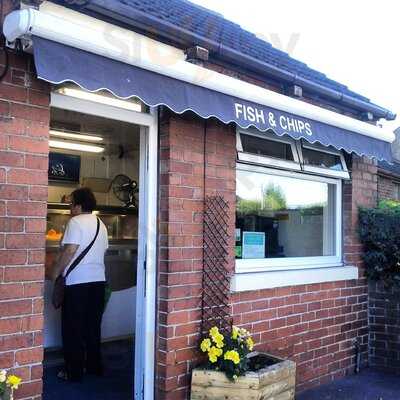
(111, 148)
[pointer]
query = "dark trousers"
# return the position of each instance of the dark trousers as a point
(82, 311)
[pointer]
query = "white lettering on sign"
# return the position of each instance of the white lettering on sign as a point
(289, 124)
(248, 113)
(295, 125)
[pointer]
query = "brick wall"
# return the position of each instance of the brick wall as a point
(316, 325)
(384, 321)
(24, 120)
(181, 226)
(387, 187)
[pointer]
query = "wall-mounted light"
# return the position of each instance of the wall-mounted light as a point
(62, 144)
(99, 98)
(76, 136)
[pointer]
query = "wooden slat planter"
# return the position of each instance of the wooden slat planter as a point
(275, 382)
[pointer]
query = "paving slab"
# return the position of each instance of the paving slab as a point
(369, 384)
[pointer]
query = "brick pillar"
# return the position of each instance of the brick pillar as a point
(362, 190)
(181, 228)
(24, 125)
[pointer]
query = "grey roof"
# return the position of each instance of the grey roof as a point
(189, 24)
(213, 26)
(391, 169)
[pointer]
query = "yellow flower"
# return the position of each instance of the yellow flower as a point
(235, 332)
(217, 337)
(219, 341)
(243, 332)
(214, 353)
(13, 381)
(250, 343)
(233, 356)
(214, 331)
(205, 345)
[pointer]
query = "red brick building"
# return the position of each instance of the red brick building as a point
(295, 270)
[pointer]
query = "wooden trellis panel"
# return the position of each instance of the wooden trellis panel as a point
(216, 276)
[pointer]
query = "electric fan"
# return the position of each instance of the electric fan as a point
(125, 189)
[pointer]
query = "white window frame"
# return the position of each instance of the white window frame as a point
(265, 160)
(255, 274)
(343, 174)
(296, 145)
(284, 263)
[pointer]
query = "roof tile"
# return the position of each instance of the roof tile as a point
(213, 26)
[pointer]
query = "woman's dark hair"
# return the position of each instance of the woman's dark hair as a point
(84, 197)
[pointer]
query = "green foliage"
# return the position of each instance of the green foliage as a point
(389, 204)
(379, 230)
(274, 198)
(248, 207)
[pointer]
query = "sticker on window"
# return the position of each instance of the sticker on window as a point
(253, 245)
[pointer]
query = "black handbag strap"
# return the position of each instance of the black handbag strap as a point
(84, 252)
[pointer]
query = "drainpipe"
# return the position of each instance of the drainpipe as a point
(358, 355)
(140, 20)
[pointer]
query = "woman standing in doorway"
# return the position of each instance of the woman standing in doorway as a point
(83, 303)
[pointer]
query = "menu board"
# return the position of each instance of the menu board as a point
(64, 167)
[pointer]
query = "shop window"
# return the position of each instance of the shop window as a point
(324, 161)
(288, 212)
(266, 149)
(285, 219)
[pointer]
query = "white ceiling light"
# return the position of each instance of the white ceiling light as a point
(98, 98)
(76, 136)
(62, 144)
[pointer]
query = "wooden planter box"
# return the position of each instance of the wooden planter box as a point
(275, 382)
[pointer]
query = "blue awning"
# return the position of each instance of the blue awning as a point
(57, 63)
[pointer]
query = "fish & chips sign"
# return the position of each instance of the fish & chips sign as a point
(272, 120)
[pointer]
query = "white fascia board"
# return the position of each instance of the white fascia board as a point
(74, 29)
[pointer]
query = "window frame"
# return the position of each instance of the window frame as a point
(343, 174)
(265, 160)
(274, 264)
(296, 146)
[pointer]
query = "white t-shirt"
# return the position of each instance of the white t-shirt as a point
(81, 230)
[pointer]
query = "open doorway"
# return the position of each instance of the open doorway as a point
(109, 154)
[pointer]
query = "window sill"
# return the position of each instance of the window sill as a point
(272, 279)
(245, 266)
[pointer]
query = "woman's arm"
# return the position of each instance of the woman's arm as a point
(67, 253)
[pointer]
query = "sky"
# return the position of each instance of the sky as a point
(353, 42)
(296, 192)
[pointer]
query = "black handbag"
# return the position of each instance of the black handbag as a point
(59, 284)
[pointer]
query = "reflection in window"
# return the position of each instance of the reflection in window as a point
(265, 147)
(321, 159)
(281, 216)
